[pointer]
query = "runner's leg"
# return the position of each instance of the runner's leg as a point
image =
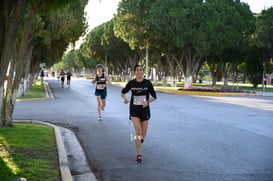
(138, 134)
(99, 105)
(103, 103)
(144, 125)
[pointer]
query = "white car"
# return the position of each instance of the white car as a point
(82, 74)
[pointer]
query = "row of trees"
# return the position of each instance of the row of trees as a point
(31, 33)
(180, 36)
(183, 36)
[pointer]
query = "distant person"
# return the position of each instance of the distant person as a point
(68, 78)
(62, 75)
(58, 76)
(53, 74)
(265, 81)
(141, 90)
(101, 90)
(42, 74)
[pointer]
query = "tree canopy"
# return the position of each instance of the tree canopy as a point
(181, 37)
(185, 31)
(33, 32)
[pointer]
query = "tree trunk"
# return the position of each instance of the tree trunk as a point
(226, 67)
(11, 15)
(191, 64)
(214, 78)
(24, 85)
(171, 62)
(20, 59)
(5, 113)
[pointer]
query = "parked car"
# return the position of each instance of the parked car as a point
(82, 74)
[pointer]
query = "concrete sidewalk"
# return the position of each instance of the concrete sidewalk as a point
(268, 94)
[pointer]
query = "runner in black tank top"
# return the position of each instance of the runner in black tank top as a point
(100, 91)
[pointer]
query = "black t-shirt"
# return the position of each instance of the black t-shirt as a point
(68, 75)
(141, 91)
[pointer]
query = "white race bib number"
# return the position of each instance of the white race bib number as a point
(139, 100)
(100, 86)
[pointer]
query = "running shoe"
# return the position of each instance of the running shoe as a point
(102, 108)
(99, 119)
(142, 140)
(139, 158)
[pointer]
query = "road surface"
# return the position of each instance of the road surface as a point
(189, 137)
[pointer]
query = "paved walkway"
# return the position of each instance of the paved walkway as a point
(270, 94)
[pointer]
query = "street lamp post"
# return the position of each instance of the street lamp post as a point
(263, 77)
(147, 62)
(105, 63)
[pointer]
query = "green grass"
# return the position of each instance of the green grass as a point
(37, 92)
(28, 151)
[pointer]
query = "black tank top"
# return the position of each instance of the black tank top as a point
(101, 83)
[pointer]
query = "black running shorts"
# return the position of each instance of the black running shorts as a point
(142, 113)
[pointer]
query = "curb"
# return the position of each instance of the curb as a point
(63, 164)
(198, 93)
(203, 93)
(48, 91)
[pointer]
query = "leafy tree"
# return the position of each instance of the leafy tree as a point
(120, 56)
(263, 37)
(233, 57)
(101, 45)
(10, 18)
(254, 65)
(130, 22)
(83, 61)
(227, 32)
(24, 50)
(92, 45)
(192, 30)
(264, 31)
(131, 25)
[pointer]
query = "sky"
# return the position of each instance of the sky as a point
(100, 11)
(256, 6)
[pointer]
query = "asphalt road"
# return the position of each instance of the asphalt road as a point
(189, 137)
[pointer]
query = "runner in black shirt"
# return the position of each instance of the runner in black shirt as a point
(139, 106)
(62, 74)
(68, 78)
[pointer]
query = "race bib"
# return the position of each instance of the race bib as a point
(100, 86)
(139, 100)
